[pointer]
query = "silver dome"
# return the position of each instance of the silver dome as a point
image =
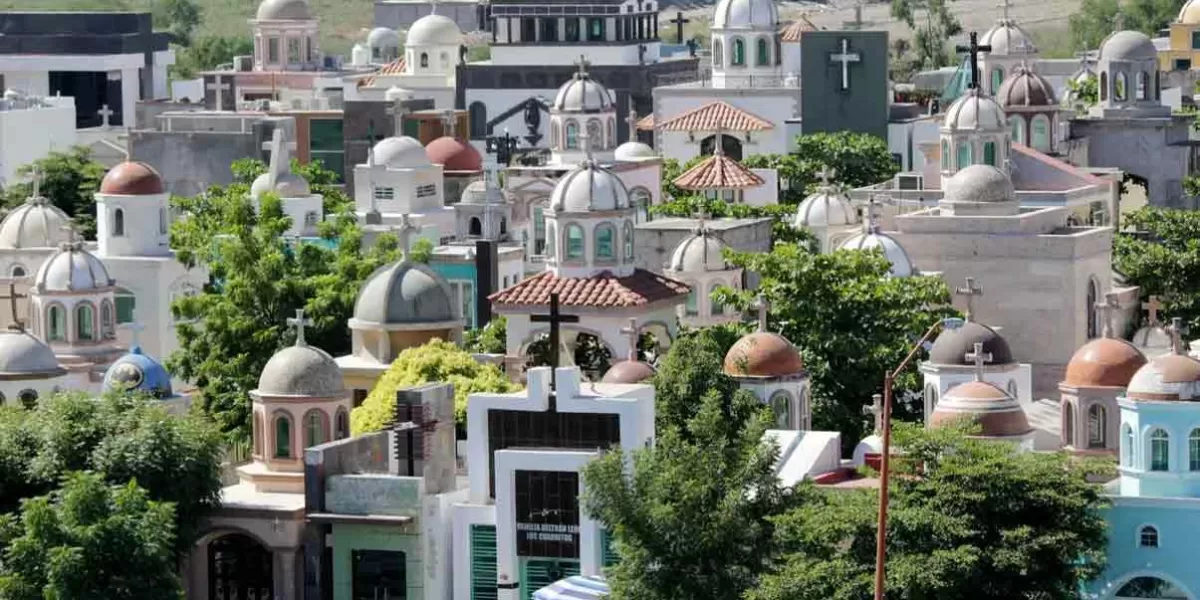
(582, 94)
(284, 10)
(401, 152)
(301, 371)
(405, 293)
(589, 187)
(975, 111)
(72, 269)
(700, 253)
(23, 354)
(35, 224)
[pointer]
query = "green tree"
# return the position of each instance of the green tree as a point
(1158, 249)
(231, 328)
(180, 18)
(852, 323)
(781, 215)
(937, 26)
(209, 52)
(489, 339)
(859, 159)
(1096, 19)
(69, 180)
(1085, 93)
(436, 361)
(968, 519)
(691, 369)
(90, 540)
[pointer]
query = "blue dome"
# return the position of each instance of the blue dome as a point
(137, 372)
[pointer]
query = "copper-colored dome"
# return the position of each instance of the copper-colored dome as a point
(997, 413)
(1104, 362)
(132, 179)
(454, 154)
(628, 371)
(763, 354)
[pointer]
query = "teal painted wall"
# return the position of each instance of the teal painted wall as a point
(347, 538)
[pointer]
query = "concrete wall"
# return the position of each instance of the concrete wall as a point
(191, 161)
(31, 133)
(1153, 148)
(655, 241)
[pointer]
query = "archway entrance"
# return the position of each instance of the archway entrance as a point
(1150, 587)
(239, 568)
(729, 144)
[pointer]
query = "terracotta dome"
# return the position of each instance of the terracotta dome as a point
(132, 179)
(1104, 362)
(628, 371)
(454, 154)
(997, 413)
(763, 354)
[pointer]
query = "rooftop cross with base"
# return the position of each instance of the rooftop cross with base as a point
(679, 22)
(762, 306)
(1107, 307)
(971, 290)
(1177, 331)
(634, 336)
(979, 357)
(35, 179)
(1004, 6)
(876, 409)
(632, 120)
(450, 122)
(555, 319)
(583, 63)
(826, 174)
(1151, 307)
(135, 330)
(972, 50)
(300, 322)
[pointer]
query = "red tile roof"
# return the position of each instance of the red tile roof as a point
(718, 173)
(792, 32)
(395, 67)
(716, 116)
(646, 123)
(600, 291)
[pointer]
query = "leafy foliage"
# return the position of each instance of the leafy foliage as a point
(1096, 19)
(69, 180)
(780, 214)
(489, 339)
(692, 370)
(1159, 251)
(852, 323)
(937, 26)
(1085, 93)
(967, 519)
(208, 53)
(90, 540)
(858, 158)
(436, 361)
(180, 18)
(258, 279)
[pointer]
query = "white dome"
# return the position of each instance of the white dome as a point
(301, 371)
(979, 183)
(589, 187)
(288, 185)
(478, 192)
(975, 111)
(396, 92)
(872, 444)
(401, 153)
(1007, 39)
(1128, 45)
(35, 224)
(826, 208)
(746, 14)
(434, 30)
(23, 354)
(581, 93)
(382, 37)
(892, 250)
(634, 152)
(700, 253)
(284, 10)
(72, 269)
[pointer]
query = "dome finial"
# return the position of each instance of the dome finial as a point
(972, 50)
(701, 216)
(35, 175)
(450, 122)
(1107, 307)
(762, 305)
(583, 64)
(71, 244)
(979, 357)
(585, 140)
(635, 336)
(870, 225)
(825, 175)
(971, 290)
(300, 323)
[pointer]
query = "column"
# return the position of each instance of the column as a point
(130, 93)
(285, 572)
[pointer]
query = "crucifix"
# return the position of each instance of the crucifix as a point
(876, 409)
(634, 336)
(35, 178)
(135, 330)
(979, 357)
(416, 424)
(762, 305)
(1151, 308)
(869, 215)
(219, 86)
(105, 112)
(973, 49)
(1004, 6)
(679, 22)
(1177, 331)
(583, 63)
(17, 324)
(825, 174)
(555, 319)
(845, 57)
(970, 291)
(450, 122)
(281, 158)
(299, 322)
(71, 243)
(1107, 307)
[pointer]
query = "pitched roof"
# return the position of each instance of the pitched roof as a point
(600, 291)
(719, 172)
(716, 116)
(791, 33)
(395, 67)
(646, 123)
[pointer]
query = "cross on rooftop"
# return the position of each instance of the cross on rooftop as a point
(404, 232)
(71, 243)
(970, 291)
(876, 409)
(35, 178)
(450, 121)
(633, 335)
(869, 216)
(1004, 6)
(1107, 307)
(679, 22)
(555, 319)
(719, 141)
(135, 330)
(583, 63)
(585, 141)
(979, 357)
(1177, 331)
(299, 322)
(105, 112)
(973, 49)
(17, 324)
(845, 57)
(762, 305)
(1119, 21)
(825, 174)
(632, 120)
(1151, 308)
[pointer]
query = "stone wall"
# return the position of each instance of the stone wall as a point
(191, 161)
(655, 241)
(1153, 149)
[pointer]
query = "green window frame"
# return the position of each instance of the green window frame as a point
(739, 52)
(483, 563)
(327, 145)
(1127, 446)
(945, 155)
(989, 153)
(57, 323)
(1160, 450)
(715, 308)
(1039, 133)
(1194, 450)
(85, 323)
(964, 156)
(314, 430)
(997, 79)
(762, 53)
(575, 243)
(283, 437)
(691, 308)
(628, 241)
(1196, 40)
(125, 307)
(605, 242)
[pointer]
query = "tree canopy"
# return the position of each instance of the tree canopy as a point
(70, 180)
(1096, 19)
(90, 540)
(209, 52)
(933, 25)
(1159, 251)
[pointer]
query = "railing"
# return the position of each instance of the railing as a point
(703, 79)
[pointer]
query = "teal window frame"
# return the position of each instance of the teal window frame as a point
(283, 437)
(606, 244)
(1160, 450)
(575, 245)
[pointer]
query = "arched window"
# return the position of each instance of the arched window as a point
(314, 429)
(612, 134)
(945, 155)
(1194, 450)
(478, 115)
(341, 425)
(781, 405)
(605, 243)
(1127, 446)
(1103, 85)
(997, 79)
(1017, 125)
(739, 52)
(628, 241)
(17, 271)
(84, 322)
(56, 323)
(1160, 450)
(1148, 538)
(1039, 133)
(691, 307)
(503, 226)
(715, 308)
(574, 242)
(424, 60)
(572, 135)
(1143, 86)
(475, 227)
(107, 325)
(283, 437)
(1120, 87)
(594, 132)
(1097, 426)
(1150, 587)
(964, 155)
(989, 153)
(718, 52)
(118, 222)
(1093, 295)
(763, 53)
(257, 434)
(28, 399)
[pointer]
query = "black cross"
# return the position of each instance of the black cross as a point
(411, 423)
(973, 49)
(555, 318)
(679, 22)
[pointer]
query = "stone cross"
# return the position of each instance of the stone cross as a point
(869, 215)
(1107, 307)
(35, 177)
(585, 141)
(12, 297)
(973, 49)
(970, 291)
(1177, 331)
(679, 22)
(105, 112)
(979, 357)
(135, 330)
(876, 409)
(1119, 21)
(70, 244)
(1004, 6)
(825, 174)
(845, 57)
(583, 64)
(299, 322)
(555, 319)
(1151, 308)
(632, 120)
(281, 159)
(404, 232)
(719, 141)
(450, 122)
(219, 86)
(762, 305)
(634, 336)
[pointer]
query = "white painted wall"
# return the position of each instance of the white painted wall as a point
(29, 134)
(569, 54)
(775, 109)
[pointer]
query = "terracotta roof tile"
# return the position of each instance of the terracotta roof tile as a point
(646, 123)
(718, 173)
(395, 67)
(716, 116)
(601, 291)
(791, 33)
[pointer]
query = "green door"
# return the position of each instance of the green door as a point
(537, 573)
(483, 562)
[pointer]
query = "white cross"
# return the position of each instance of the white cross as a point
(35, 175)
(105, 112)
(219, 86)
(1106, 308)
(845, 57)
(281, 160)
(825, 174)
(1152, 308)
(762, 305)
(635, 336)
(1004, 6)
(632, 120)
(407, 227)
(582, 63)
(979, 357)
(585, 140)
(876, 409)
(299, 322)
(135, 330)
(970, 291)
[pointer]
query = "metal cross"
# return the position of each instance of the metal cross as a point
(1177, 331)
(845, 57)
(555, 319)
(1107, 307)
(105, 112)
(762, 305)
(1151, 308)
(634, 335)
(135, 330)
(876, 408)
(979, 357)
(17, 324)
(973, 49)
(583, 64)
(970, 291)
(300, 323)
(679, 22)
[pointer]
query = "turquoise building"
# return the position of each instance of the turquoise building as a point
(1155, 513)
